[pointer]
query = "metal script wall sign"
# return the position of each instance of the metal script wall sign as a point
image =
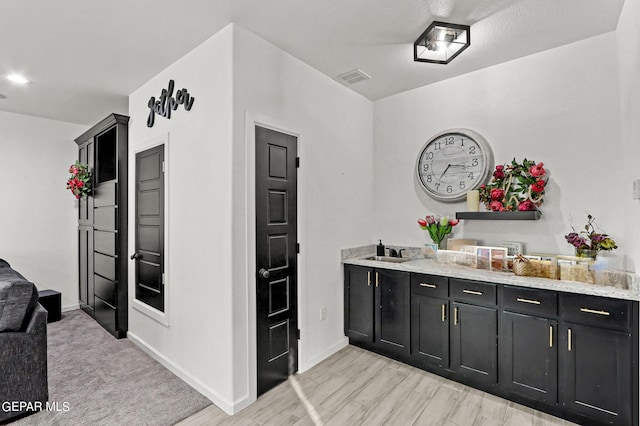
(167, 103)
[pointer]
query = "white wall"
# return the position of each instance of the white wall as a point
(197, 343)
(560, 107)
(628, 38)
(334, 129)
(39, 216)
(238, 80)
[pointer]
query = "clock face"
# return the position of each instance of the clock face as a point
(454, 162)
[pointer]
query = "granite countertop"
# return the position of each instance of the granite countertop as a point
(356, 256)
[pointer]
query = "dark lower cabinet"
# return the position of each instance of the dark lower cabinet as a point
(430, 321)
(377, 309)
(596, 380)
(430, 330)
(529, 356)
(358, 303)
(392, 312)
(571, 355)
(474, 343)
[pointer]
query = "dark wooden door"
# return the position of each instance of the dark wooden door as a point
(149, 227)
(474, 343)
(392, 322)
(430, 330)
(529, 356)
(276, 258)
(595, 375)
(358, 303)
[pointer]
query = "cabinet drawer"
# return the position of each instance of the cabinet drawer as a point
(105, 218)
(105, 315)
(473, 291)
(530, 301)
(105, 266)
(598, 311)
(105, 194)
(105, 242)
(430, 285)
(105, 289)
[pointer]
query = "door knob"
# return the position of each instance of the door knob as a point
(263, 273)
(135, 256)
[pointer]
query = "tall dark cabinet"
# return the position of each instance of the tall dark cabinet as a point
(102, 224)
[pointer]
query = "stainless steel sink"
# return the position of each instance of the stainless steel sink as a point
(388, 259)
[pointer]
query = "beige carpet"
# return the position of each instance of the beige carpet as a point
(105, 381)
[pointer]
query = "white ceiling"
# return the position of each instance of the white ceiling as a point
(85, 57)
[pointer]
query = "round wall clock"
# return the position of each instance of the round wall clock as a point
(454, 162)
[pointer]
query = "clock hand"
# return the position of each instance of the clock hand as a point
(445, 171)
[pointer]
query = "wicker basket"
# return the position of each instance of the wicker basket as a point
(534, 268)
(522, 266)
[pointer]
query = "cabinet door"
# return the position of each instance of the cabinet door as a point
(393, 311)
(358, 303)
(474, 343)
(430, 330)
(529, 356)
(595, 374)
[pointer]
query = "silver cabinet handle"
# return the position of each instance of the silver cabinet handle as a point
(477, 293)
(428, 285)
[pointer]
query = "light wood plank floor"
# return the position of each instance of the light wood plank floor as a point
(357, 387)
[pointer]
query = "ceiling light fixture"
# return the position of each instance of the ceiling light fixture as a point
(17, 79)
(441, 42)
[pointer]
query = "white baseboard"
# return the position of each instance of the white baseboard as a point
(223, 404)
(302, 367)
(70, 307)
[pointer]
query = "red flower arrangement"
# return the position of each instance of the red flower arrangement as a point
(80, 181)
(517, 186)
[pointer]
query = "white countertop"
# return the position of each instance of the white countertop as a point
(430, 266)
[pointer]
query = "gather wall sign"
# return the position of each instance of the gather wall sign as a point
(167, 103)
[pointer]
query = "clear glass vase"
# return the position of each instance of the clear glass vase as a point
(586, 253)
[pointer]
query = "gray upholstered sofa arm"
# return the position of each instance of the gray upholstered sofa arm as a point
(23, 363)
(38, 322)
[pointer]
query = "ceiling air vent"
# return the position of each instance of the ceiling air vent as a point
(354, 76)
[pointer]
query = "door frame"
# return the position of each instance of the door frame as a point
(252, 120)
(160, 317)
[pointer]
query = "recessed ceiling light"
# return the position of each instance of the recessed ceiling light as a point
(17, 79)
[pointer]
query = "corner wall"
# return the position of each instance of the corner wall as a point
(335, 195)
(560, 107)
(197, 342)
(240, 80)
(39, 216)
